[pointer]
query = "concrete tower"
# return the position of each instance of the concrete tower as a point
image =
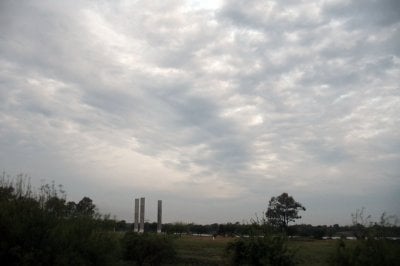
(159, 216)
(136, 221)
(142, 206)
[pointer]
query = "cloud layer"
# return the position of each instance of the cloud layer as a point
(212, 108)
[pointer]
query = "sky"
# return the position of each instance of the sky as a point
(213, 107)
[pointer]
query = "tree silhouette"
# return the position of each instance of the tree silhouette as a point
(282, 210)
(86, 207)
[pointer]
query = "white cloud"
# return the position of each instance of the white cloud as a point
(204, 101)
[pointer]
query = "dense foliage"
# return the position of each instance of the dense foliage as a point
(369, 251)
(45, 229)
(265, 250)
(282, 210)
(372, 246)
(149, 249)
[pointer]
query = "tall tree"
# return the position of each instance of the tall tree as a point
(86, 207)
(282, 210)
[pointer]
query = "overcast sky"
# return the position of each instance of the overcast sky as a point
(212, 106)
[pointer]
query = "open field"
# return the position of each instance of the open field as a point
(197, 250)
(313, 252)
(194, 250)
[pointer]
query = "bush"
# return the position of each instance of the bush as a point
(41, 229)
(370, 248)
(369, 251)
(261, 251)
(147, 248)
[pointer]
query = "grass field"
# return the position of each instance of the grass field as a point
(194, 250)
(313, 252)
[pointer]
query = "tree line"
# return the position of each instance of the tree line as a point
(40, 227)
(43, 228)
(238, 229)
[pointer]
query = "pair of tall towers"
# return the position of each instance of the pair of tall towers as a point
(140, 209)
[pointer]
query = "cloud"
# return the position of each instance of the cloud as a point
(204, 103)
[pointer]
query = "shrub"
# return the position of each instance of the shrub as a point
(151, 249)
(40, 230)
(369, 251)
(265, 250)
(370, 248)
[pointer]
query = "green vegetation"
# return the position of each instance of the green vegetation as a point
(193, 250)
(206, 251)
(312, 252)
(282, 210)
(43, 228)
(147, 248)
(266, 250)
(369, 251)
(372, 247)
(197, 250)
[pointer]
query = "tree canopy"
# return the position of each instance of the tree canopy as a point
(282, 210)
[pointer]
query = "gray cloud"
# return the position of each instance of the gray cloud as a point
(216, 108)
